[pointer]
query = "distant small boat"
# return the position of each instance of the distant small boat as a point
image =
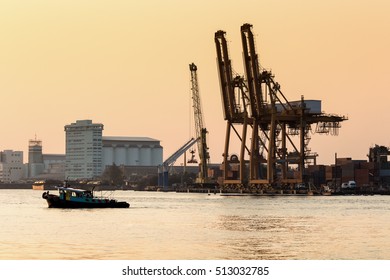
(78, 198)
(44, 185)
(326, 193)
(325, 190)
(39, 185)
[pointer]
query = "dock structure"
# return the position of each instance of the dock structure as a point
(276, 152)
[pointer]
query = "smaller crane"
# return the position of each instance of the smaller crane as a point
(201, 131)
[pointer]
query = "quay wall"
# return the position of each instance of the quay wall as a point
(10, 186)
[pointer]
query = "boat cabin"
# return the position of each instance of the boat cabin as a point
(73, 194)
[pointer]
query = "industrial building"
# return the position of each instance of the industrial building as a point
(371, 174)
(47, 166)
(134, 154)
(131, 151)
(54, 166)
(88, 152)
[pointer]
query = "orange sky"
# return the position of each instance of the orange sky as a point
(125, 63)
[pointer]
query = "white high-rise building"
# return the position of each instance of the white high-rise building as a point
(11, 166)
(83, 150)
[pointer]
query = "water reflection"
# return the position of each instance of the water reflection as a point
(261, 223)
(264, 237)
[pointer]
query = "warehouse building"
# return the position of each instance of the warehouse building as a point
(131, 151)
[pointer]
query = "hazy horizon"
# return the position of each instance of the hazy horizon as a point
(125, 64)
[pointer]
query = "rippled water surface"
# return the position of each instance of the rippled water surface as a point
(197, 226)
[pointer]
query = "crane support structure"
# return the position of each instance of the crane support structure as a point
(201, 131)
(235, 103)
(276, 157)
(163, 169)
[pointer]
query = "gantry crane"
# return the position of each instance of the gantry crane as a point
(273, 119)
(280, 120)
(201, 132)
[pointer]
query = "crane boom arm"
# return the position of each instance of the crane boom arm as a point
(201, 131)
(179, 152)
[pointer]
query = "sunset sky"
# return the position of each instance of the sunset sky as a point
(124, 63)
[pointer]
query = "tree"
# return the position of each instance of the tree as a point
(113, 174)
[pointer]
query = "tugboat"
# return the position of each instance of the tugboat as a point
(78, 198)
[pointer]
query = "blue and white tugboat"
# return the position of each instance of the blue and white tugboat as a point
(78, 198)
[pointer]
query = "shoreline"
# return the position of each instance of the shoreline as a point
(26, 186)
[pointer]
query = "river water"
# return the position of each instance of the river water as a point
(167, 226)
